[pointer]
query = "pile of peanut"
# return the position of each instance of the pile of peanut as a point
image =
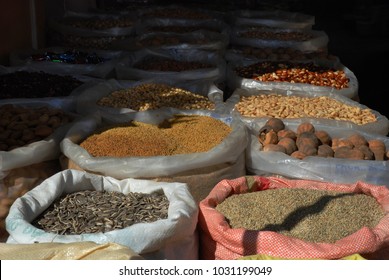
(167, 64)
(151, 96)
(20, 126)
(294, 72)
(308, 141)
(292, 106)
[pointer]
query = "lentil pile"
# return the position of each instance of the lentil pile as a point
(24, 84)
(98, 23)
(179, 135)
(282, 106)
(152, 96)
(308, 214)
(180, 29)
(294, 72)
(101, 211)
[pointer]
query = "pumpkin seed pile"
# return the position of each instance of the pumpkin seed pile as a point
(101, 211)
(308, 214)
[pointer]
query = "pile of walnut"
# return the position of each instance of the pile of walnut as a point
(307, 141)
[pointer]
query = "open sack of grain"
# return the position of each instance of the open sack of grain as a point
(293, 219)
(157, 220)
(83, 250)
(195, 147)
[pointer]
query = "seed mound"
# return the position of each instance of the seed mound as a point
(308, 214)
(178, 135)
(101, 211)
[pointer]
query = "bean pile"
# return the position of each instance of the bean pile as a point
(180, 29)
(20, 126)
(258, 33)
(101, 211)
(167, 64)
(308, 214)
(177, 13)
(280, 53)
(294, 72)
(153, 96)
(92, 42)
(282, 106)
(179, 135)
(167, 40)
(99, 23)
(24, 84)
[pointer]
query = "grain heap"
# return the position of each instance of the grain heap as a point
(182, 134)
(101, 211)
(152, 96)
(308, 214)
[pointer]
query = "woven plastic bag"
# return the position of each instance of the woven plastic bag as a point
(219, 241)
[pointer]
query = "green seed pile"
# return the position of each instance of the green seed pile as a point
(179, 135)
(308, 214)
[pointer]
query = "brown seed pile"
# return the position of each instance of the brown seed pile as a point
(101, 211)
(180, 29)
(182, 134)
(176, 13)
(99, 23)
(156, 40)
(152, 96)
(282, 106)
(258, 33)
(280, 53)
(166, 64)
(308, 214)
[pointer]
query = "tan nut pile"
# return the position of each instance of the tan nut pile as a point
(308, 141)
(153, 96)
(101, 211)
(308, 214)
(20, 126)
(282, 106)
(179, 135)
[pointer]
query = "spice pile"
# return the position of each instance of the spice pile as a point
(182, 134)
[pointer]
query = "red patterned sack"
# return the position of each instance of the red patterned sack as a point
(220, 241)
